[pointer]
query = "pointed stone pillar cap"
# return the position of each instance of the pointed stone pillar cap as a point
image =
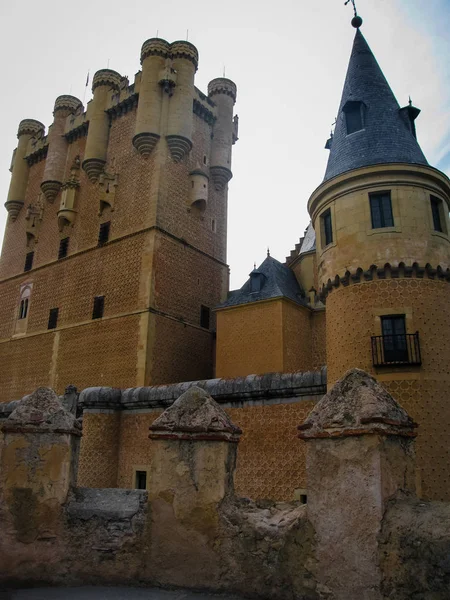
(357, 405)
(41, 412)
(195, 416)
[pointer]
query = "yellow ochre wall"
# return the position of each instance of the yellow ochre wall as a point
(269, 336)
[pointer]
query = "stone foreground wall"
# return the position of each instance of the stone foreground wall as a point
(362, 536)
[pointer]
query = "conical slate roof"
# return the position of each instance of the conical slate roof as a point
(387, 135)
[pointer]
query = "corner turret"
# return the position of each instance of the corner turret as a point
(57, 146)
(28, 128)
(223, 93)
(179, 129)
(94, 161)
(154, 56)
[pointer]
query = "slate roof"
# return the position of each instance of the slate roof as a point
(387, 136)
(309, 241)
(279, 282)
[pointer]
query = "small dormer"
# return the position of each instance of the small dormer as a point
(257, 281)
(355, 116)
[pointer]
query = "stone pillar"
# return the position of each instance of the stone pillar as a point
(360, 454)
(38, 462)
(192, 473)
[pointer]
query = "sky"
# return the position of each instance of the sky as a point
(288, 59)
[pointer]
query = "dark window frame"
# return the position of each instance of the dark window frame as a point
(63, 248)
(53, 318)
(327, 227)
(436, 211)
(29, 258)
(103, 233)
(381, 209)
(140, 479)
(23, 309)
(98, 308)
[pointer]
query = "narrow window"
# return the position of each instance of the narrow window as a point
(141, 480)
(436, 210)
(28, 261)
(63, 248)
(327, 228)
(204, 159)
(213, 225)
(103, 234)
(23, 311)
(354, 116)
(381, 210)
(53, 318)
(99, 305)
(393, 330)
(204, 316)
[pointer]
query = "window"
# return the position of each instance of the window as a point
(141, 480)
(53, 318)
(23, 309)
(28, 261)
(393, 330)
(103, 234)
(63, 248)
(381, 210)
(436, 209)
(354, 116)
(327, 228)
(204, 316)
(99, 305)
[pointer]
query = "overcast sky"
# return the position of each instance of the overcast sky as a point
(288, 59)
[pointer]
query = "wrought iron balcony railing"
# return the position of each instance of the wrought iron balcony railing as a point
(392, 350)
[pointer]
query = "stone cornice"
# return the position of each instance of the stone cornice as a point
(123, 107)
(388, 271)
(204, 113)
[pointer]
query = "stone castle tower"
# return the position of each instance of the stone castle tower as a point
(115, 246)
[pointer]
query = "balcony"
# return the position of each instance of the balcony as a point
(396, 350)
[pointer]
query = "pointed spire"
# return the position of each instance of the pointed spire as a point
(370, 128)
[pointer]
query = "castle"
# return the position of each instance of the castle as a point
(113, 274)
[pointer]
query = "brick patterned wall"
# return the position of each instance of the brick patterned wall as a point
(99, 450)
(318, 345)
(249, 339)
(296, 338)
(271, 459)
(171, 362)
(423, 391)
(24, 366)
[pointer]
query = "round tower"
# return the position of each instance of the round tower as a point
(383, 255)
(223, 93)
(179, 128)
(57, 146)
(154, 54)
(94, 161)
(28, 128)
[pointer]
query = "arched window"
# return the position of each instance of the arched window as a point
(25, 294)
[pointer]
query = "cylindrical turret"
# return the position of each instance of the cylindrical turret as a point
(57, 146)
(154, 55)
(179, 129)
(199, 190)
(98, 133)
(223, 92)
(28, 128)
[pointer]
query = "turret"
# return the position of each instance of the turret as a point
(19, 179)
(57, 146)
(383, 255)
(199, 190)
(179, 128)
(97, 139)
(223, 92)
(154, 56)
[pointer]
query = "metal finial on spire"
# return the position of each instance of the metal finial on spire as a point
(254, 265)
(268, 251)
(410, 101)
(356, 21)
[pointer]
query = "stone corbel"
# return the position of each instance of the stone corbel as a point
(108, 183)
(33, 222)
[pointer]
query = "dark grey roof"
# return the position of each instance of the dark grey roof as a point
(279, 281)
(387, 135)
